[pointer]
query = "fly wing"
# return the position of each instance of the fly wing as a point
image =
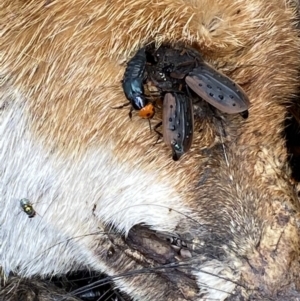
(217, 89)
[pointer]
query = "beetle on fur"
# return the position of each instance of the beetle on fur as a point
(172, 71)
(133, 85)
(232, 201)
(178, 123)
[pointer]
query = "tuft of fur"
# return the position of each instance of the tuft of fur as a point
(88, 169)
(17, 289)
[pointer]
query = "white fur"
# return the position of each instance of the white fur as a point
(64, 193)
(217, 287)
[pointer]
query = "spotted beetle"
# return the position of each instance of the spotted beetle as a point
(175, 72)
(178, 123)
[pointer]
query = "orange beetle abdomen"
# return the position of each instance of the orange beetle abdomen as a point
(147, 111)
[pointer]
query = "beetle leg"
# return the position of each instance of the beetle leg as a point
(121, 106)
(156, 127)
(159, 134)
(217, 89)
(130, 112)
(245, 114)
(150, 128)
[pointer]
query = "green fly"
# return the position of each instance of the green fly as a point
(27, 208)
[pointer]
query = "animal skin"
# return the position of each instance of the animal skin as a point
(109, 198)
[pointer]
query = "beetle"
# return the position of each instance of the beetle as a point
(27, 207)
(133, 85)
(176, 72)
(217, 89)
(179, 69)
(178, 123)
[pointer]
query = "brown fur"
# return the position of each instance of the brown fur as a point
(21, 289)
(66, 59)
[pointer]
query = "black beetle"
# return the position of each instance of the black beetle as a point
(133, 85)
(172, 71)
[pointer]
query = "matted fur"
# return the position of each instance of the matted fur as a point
(84, 165)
